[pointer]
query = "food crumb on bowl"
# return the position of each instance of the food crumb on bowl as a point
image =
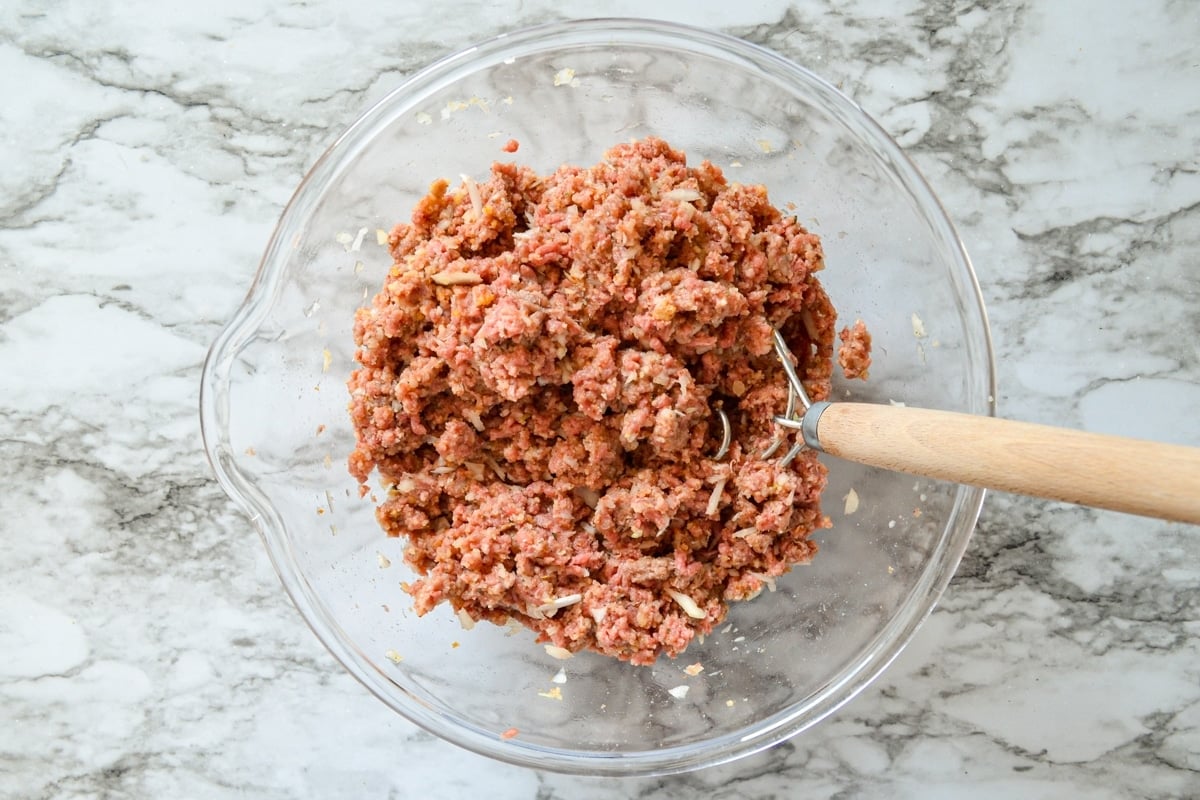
(511, 146)
(918, 326)
(679, 692)
(854, 355)
(250, 451)
(555, 693)
(560, 676)
(509, 734)
(394, 657)
(851, 502)
(692, 670)
(565, 77)
(381, 237)
(383, 561)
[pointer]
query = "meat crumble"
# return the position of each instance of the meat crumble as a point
(854, 355)
(538, 385)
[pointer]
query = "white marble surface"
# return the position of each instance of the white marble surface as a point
(147, 150)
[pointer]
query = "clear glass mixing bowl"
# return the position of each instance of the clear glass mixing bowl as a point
(273, 401)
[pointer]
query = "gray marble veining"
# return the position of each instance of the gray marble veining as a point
(146, 649)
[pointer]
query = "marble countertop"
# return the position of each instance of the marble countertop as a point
(148, 149)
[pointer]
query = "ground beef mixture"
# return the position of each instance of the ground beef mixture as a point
(539, 380)
(854, 356)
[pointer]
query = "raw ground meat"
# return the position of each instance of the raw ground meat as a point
(854, 356)
(538, 383)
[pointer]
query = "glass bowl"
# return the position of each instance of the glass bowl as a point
(273, 399)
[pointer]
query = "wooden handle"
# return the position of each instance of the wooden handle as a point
(1091, 469)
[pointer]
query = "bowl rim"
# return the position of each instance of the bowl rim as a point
(751, 738)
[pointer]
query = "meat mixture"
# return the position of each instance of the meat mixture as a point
(539, 385)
